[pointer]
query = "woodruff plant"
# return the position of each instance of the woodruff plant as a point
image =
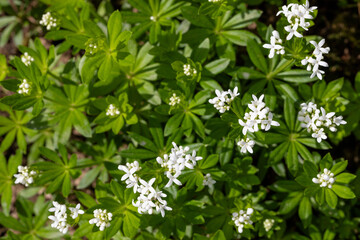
(120, 121)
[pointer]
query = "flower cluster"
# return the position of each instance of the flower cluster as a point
(27, 59)
(259, 114)
(24, 176)
(268, 224)
(325, 179)
(174, 100)
(314, 120)
(188, 71)
(48, 21)
(101, 219)
(112, 111)
(275, 45)
(297, 15)
(314, 63)
(242, 218)
(24, 87)
(223, 99)
(246, 145)
(149, 198)
(59, 218)
(176, 161)
(209, 181)
(92, 48)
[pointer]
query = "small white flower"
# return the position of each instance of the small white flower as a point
(325, 179)
(112, 111)
(318, 47)
(209, 181)
(24, 176)
(48, 21)
(275, 45)
(259, 114)
(24, 87)
(59, 218)
(101, 219)
(246, 145)
(223, 99)
(172, 179)
(268, 224)
(174, 100)
(188, 71)
(242, 218)
(314, 120)
(27, 59)
(76, 211)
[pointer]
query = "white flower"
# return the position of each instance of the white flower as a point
(292, 31)
(297, 16)
(176, 161)
(246, 145)
(188, 71)
(27, 59)
(112, 111)
(48, 21)
(174, 100)
(101, 219)
(275, 45)
(242, 218)
(172, 179)
(318, 47)
(223, 99)
(24, 87)
(325, 179)
(314, 63)
(214, 1)
(24, 176)
(268, 224)
(132, 180)
(76, 211)
(259, 114)
(209, 181)
(314, 120)
(59, 218)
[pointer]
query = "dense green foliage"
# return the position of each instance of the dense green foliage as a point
(108, 87)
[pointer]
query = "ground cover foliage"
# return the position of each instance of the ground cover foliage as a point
(167, 119)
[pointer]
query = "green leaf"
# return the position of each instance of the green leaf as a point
(209, 162)
(331, 198)
(51, 155)
(289, 112)
(343, 191)
(85, 199)
(326, 162)
(310, 169)
(311, 142)
(332, 88)
(305, 211)
(292, 161)
(89, 177)
(339, 167)
(219, 235)
(239, 37)
(256, 55)
(138, 154)
(173, 123)
(345, 178)
(114, 27)
(295, 76)
(290, 202)
(131, 224)
(217, 66)
(320, 196)
(11, 223)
